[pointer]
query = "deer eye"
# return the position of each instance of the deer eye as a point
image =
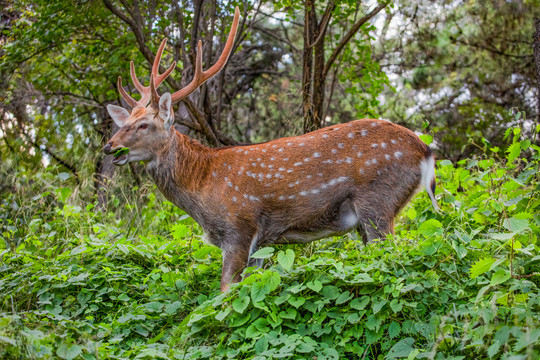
(143, 126)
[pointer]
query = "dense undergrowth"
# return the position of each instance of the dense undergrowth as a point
(137, 281)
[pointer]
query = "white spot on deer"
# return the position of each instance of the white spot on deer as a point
(340, 145)
(253, 198)
(291, 184)
(334, 151)
(359, 154)
(270, 166)
(281, 197)
(266, 196)
(354, 147)
(378, 172)
(253, 164)
(315, 191)
(281, 169)
(308, 176)
(291, 197)
(245, 196)
(214, 174)
(303, 193)
(348, 160)
(398, 154)
(268, 176)
(388, 157)
(272, 158)
(311, 137)
(364, 132)
(285, 159)
(361, 171)
(368, 162)
(263, 150)
(383, 145)
(258, 159)
(289, 143)
(301, 144)
(316, 155)
(248, 173)
(374, 161)
(290, 171)
(245, 152)
(263, 165)
(374, 145)
(374, 124)
(400, 139)
(351, 135)
(339, 161)
(319, 174)
(298, 163)
(393, 141)
(236, 188)
(336, 128)
(280, 149)
(325, 136)
(230, 184)
(229, 167)
(327, 161)
(306, 160)
(234, 199)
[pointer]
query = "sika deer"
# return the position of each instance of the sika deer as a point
(354, 176)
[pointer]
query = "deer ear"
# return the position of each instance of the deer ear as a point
(165, 112)
(118, 114)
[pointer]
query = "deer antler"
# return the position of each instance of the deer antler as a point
(146, 92)
(200, 76)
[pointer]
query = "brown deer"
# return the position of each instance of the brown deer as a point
(353, 176)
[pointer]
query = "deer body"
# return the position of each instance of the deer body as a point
(354, 176)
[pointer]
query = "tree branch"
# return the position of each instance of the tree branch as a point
(350, 35)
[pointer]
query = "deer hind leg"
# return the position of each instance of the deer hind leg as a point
(234, 261)
(375, 228)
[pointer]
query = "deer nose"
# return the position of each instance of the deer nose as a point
(107, 149)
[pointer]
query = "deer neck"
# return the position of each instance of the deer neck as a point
(180, 169)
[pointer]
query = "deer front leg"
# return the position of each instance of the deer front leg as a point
(234, 262)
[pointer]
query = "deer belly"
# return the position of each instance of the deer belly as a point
(343, 223)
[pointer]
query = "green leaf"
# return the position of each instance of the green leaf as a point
(286, 259)
(516, 224)
(481, 267)
(427, 139)
(330, 292)
(264, 253)
(297, 301)
(401, 349)
(394, 330)
(259, 291)
(316, 285)
(430, 227)
(513, 151)
(378, 305)
(396, 305)
(68, 351)
(360, 303)
(499, 277)
(240, 304)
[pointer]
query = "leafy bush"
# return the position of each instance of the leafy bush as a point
(140, 283)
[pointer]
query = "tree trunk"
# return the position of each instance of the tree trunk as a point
(536, 52)
(310, 22)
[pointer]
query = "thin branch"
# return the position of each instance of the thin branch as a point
(350, 35)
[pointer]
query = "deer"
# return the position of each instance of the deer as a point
(293, 190)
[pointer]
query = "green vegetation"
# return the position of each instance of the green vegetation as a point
(136, 281)
(121, 151)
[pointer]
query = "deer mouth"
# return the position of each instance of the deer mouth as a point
(121, 156)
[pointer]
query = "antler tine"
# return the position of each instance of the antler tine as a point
(200, 76)
(153, 92)
(158, 79)
(131, 101)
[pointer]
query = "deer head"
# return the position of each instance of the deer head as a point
(147, 128)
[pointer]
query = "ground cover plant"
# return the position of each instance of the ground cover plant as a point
(137, 281)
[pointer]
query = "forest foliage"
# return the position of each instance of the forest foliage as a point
(95, 264)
